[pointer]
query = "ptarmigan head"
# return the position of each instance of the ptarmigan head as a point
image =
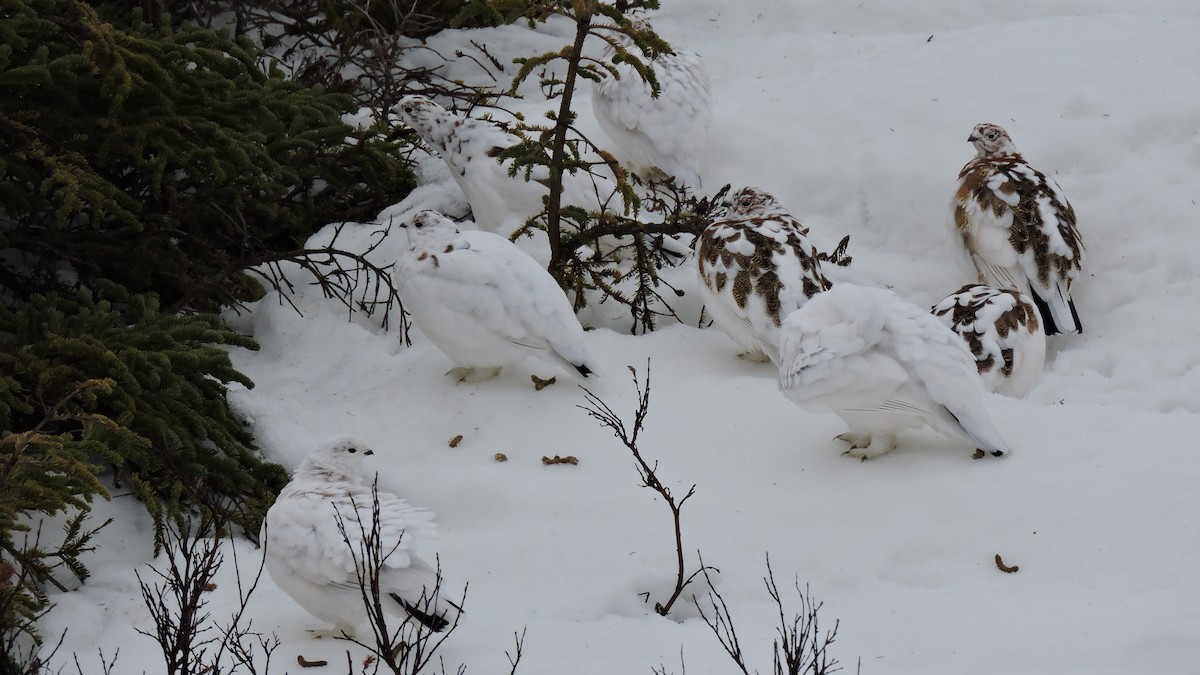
(420, 113)
(750, 202)
(339, 458)
(990, 141)
(429, 227)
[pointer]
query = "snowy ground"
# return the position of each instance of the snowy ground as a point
(856, 116)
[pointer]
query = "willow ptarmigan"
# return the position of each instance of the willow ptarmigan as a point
(483, 302)
(470, 147)
(315, 537)
(1002, 329)
(1019, 228)
(883, 365)
(667, 134)
(756, 266)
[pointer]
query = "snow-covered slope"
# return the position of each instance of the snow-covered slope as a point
(856, 116)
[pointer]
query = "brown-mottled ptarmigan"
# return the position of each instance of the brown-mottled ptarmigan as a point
(1002, 329)
(1019, 228)
(756, 266)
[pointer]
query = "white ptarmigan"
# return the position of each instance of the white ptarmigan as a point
(311, 560)
(656, 137)
(882, 364)
(484, 302)
(1002, 330)
(756, 266)
(470, 147)
(1019, 228)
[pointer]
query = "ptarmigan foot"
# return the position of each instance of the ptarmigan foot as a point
(332, 633)
(856, 440)
(472, 375)
(754, 356)
(865, 446)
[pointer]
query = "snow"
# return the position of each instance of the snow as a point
(855, 115)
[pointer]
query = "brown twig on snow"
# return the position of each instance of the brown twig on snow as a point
(799, 646)
(601, 411)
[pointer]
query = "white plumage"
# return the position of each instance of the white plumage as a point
(1001, 328)
(1019, 228)
(308, 557)
(470, 147)
(756, 266)
(483, 302)
(665, 135)
(883, 365)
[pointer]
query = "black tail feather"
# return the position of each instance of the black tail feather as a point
(583, 369)
(433, 622)
(1075, 315)
(1048, 319)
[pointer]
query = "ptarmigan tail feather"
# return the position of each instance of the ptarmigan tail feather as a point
(429, 619)
(418, 593)
(981, 431)
(1058, 312)
(428, 616)
(567, 364)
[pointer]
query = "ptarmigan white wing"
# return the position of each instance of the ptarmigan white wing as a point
(668, 133)
(1002, 330)
(302, 530)
(483, 301)
(1019, 228)
(882, 364)
(830, 361)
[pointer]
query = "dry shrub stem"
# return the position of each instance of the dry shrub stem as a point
(799, 647)
(601, 411)
(410, 648)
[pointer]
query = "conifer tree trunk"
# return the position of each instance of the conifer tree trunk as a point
(584, 9)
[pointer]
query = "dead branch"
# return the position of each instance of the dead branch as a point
(600, 411)
(799, 647)
(411, 647)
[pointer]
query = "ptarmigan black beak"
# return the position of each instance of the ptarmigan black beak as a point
(368, 452)
(972, 138)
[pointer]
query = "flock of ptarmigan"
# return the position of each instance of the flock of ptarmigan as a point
(876, 360)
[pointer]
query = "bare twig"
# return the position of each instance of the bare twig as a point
(411, 647)
(106, 665)
(799, 647)
(600, 411)
(182, 625)
(514, 659)
(190, 640)
(347, 276)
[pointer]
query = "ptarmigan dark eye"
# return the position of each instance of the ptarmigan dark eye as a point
(352, 450)
(745, 203)
(991, 135)
(408, 109)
